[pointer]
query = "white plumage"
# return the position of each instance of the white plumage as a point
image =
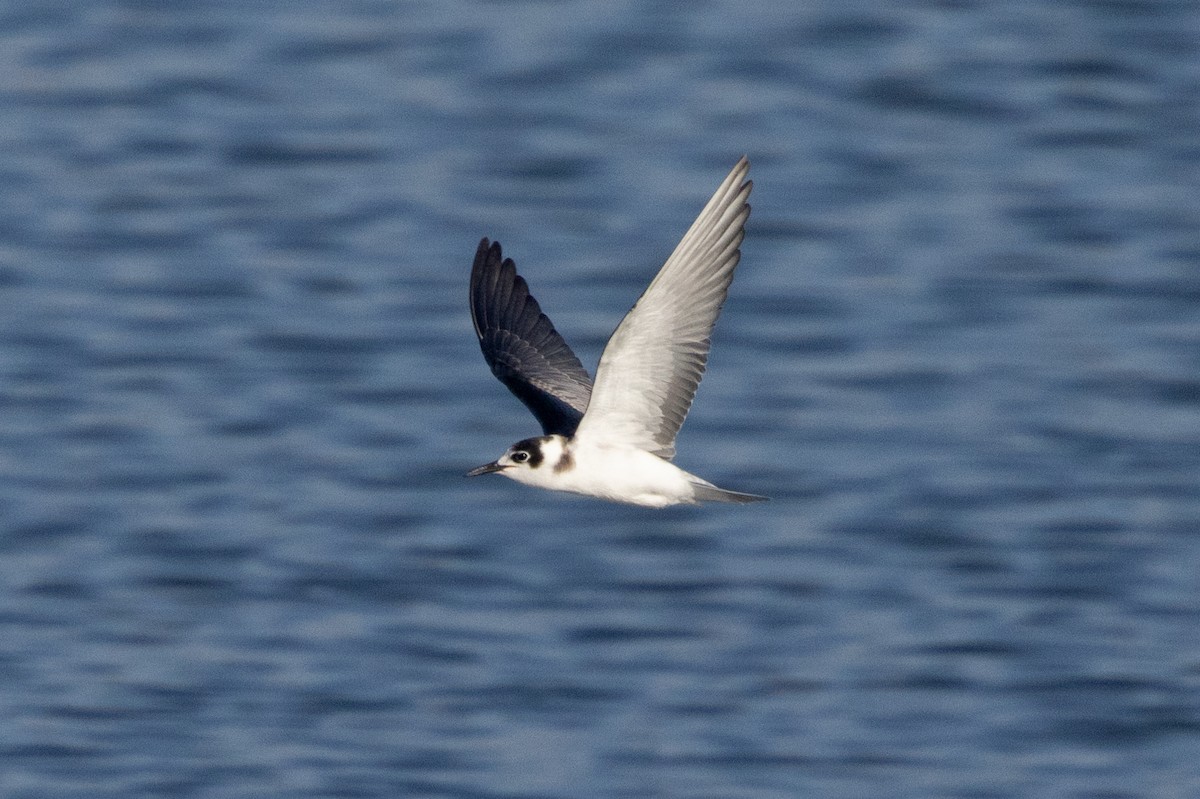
(614, 439)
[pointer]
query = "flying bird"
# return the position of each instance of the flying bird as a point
(615, 438)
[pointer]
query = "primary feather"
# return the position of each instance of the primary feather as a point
(653, 363)
(521, 345)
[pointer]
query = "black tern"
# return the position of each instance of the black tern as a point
(614, 439)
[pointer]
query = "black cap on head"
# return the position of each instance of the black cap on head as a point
(533, 446)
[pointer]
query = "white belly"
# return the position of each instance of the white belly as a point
(620, 474)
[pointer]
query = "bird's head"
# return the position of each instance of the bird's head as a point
(528, 460)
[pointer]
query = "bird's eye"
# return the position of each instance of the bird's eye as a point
(520, 456)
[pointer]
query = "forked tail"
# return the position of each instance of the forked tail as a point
(707, 492)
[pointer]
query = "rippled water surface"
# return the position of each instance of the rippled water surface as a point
(239, 388)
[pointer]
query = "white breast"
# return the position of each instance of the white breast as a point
(621, 474)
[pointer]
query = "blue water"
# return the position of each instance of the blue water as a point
(239, 387)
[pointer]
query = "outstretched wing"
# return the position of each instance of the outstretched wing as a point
(521, 345)
(650, 369)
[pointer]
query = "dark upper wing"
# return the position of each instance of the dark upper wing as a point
(522, 346)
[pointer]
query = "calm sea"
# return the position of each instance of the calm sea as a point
(239, 388)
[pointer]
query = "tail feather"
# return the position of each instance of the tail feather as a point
(707, 492)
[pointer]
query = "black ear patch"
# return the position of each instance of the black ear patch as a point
(532, 446)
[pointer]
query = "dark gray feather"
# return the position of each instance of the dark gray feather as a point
(522, 347)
